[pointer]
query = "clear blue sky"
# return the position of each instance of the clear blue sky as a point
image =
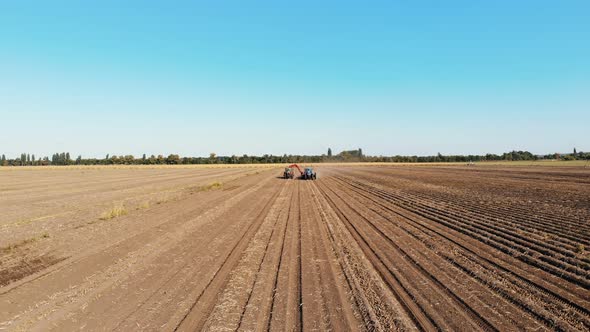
(235, 77)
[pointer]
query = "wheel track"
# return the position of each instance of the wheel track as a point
(147, 255)
(366, 293)
(234, 298)
(582, 311)
(490, 208)
(422, 320)
(510, 223)
(332, 309)
(544, 319)
(508, 219)
(166, 284)
(264, 259)
(286, 305)
(550, 265)
(278, 268)
(54, 268)
(512, 237)
(443, 289)
(539, 221)
(192, 319)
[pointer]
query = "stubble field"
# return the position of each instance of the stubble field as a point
(491, 248)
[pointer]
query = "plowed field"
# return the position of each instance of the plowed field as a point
(361, 248)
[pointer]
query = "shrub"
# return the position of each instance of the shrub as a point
(115, 212)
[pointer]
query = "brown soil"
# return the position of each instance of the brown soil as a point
(361, 248)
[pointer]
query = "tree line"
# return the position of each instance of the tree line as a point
(64, 158)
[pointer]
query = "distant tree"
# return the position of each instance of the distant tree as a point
(28, 159)
(234, 159)
(152, 160)
(360, 152)
(568, 157)
(128, 159)
(33, 158)
(329, 152)
(79, 160)
(575, 151)
(173, 159)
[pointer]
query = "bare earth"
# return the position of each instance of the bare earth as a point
(362, 248)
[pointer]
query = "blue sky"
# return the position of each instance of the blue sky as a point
(235, 77)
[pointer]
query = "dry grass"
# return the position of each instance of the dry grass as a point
(14, 246)
(144, 205)
(114, 212)
(212, 186)
(202, 188)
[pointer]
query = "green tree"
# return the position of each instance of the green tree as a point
(568, 157)
(173, 159)
(329, 153)
(128, 159)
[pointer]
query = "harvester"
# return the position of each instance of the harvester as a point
(289, 173)
(306, 174)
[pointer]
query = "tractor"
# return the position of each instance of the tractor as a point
(308, 174)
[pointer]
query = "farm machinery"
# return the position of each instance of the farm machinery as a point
(306, 174)
(289, 173)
